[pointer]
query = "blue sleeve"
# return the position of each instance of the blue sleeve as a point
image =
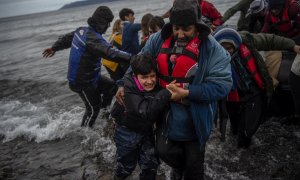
(217, 81)
(136, 27)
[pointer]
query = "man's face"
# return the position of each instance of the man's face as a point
(229, 47)
(183, 34)
(130, 18)
(147, 81)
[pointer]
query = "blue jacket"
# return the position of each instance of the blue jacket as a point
(212, 82)
(130, 37)
(87, 49)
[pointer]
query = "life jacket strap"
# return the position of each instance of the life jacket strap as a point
(179, 51)
(169, 79)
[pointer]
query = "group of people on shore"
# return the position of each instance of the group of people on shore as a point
(168, 84)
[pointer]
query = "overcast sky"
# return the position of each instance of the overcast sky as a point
(20, 7)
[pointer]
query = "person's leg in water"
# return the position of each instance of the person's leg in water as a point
(171, 153)
(193, 165)
(92, 101)
(234, 114)
(148, 161)
(127, 153)
(251, 118)
(185, 158)
(194, 161)
(108, 89)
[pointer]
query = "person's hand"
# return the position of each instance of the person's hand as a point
(213, 28)
(297, 49)
(177, 92)
(120, 96)
(49, 52)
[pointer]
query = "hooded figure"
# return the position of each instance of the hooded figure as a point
(228, 35)
(88, 47)
(252, 87)
(101, 19)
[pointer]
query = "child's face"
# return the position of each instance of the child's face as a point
(147, 81)
(130, 18)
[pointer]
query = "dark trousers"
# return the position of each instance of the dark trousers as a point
(185, 157)
(245, 118)
(294, 81)
(94, 98)
(132, 149)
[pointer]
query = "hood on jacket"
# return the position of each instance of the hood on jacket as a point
(101, 19)
(226, 34)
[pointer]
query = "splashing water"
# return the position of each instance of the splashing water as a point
(35, 122)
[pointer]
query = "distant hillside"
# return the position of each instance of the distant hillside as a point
(84, 3)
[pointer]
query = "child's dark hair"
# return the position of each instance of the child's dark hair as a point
(125, 12)
(143, 64)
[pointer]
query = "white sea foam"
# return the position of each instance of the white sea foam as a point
(96, 144)
(36, 122)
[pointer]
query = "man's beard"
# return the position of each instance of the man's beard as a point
(182, 42)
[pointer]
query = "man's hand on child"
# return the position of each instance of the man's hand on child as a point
(120, 96)
(177, 92)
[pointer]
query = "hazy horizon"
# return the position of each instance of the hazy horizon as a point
(11, 8)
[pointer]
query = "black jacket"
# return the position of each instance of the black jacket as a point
(142, 108)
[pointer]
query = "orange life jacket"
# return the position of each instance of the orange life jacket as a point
(185, 65)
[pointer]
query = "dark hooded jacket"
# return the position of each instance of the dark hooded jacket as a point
(87, 48)
(142, 108)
